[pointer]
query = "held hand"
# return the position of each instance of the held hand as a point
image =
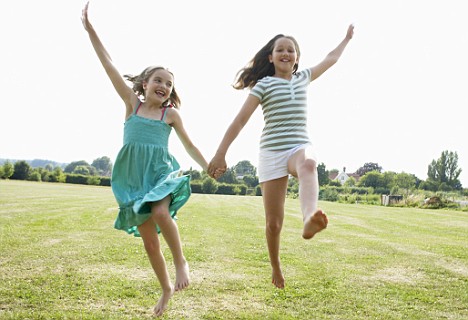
(218, 173)
(217, 167)
(350, 32)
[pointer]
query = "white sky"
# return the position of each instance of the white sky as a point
(397, 97)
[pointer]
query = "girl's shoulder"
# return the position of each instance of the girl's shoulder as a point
(172, 114)
(171, 109)
(264, 81)
(306, 72)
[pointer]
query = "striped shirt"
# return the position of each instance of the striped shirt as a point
(284, 106)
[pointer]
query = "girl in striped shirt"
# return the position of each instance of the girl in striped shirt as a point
(285, 148)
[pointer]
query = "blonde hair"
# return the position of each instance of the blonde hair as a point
(144, 76)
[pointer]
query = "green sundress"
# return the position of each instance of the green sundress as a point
(144, 172)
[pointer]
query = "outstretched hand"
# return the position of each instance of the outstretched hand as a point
(350, 32)
(217, 167)
(84, 18)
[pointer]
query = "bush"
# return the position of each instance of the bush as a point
(105, 182)
(334, 183)
(22, 170)
(45, 175)
(196, 187)
(209, 185)
(328, 194)
(225, 188)
(7, 170)
(57, 175)
(242, 190)
(76, 179)
(229, 189)
(381, 190)
(35, 176)
(258, 191)
(93, 181)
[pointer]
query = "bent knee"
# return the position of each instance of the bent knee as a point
(159, 213)
(308, 165)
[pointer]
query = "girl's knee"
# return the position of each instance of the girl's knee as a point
(274, 227)
(161, 217)
(159, 213)
(308, 165)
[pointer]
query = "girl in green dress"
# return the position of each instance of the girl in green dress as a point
(146, 178)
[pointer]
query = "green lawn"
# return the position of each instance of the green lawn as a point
(60, 258)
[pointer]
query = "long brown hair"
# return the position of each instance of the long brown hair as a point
(144, 76)
(260, 66)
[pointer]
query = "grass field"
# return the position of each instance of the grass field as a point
(60, 258)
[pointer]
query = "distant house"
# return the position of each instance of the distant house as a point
(333, 175)
(343, 176)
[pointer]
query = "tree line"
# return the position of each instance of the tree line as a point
(442, 176)
(79, 172)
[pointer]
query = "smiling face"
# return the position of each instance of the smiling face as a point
(284, 56)
(159, 86)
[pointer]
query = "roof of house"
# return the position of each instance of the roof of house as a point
(333, 175)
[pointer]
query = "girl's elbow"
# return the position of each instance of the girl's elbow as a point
(332, 59)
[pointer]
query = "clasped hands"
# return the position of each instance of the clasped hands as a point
(217, 167)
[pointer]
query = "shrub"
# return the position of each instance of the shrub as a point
(7, 170)
(57, 175)
(334, 183)
(196, 187)
(22, 170)
(242, 190)
(35, 176)
(258, 191)
(76, 179)
(93, 180)
(329, 194)
(231, 189)
(209, 185)
(225, 188)
(105, 181)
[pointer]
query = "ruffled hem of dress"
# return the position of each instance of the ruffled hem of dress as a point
(135, 213)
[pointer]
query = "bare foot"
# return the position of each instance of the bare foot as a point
(163, 301)
(277, 278)
(182, 277)
(314, 224)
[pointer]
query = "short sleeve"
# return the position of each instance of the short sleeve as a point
(258, 90)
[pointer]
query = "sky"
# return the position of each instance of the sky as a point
(397, 97)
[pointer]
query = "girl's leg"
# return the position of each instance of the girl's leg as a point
(153, 249)
(274, 194)
(170, 233)
(302, 165)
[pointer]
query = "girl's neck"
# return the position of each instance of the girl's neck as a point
(283, 75)
(152, 105)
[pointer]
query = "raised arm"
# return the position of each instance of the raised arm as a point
(124, 91)
(333, 56)
(218, 163)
